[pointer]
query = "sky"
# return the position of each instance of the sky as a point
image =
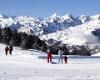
(45, 8)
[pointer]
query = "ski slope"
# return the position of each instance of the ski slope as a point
(26, 65)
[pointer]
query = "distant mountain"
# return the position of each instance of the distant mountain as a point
(37, 26)
(67, 29)
(79, 34)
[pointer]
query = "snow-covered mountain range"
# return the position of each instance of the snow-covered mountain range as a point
(67, 29)
(37, 26)
(80, 34)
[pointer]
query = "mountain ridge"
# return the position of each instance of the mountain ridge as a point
(37, 26)
(64, 27)
(54, 30)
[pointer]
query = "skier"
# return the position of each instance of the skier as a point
(10, 50)
(49, 56)
(60, 53)
(65, 58)
(65, 53)
(6, 50)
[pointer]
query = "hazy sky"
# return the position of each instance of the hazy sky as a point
(45, 8)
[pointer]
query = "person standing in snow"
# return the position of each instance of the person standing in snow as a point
(10, 50)
(66, 52)
(65, 58)
(49, 56)
(60, 53)
(6, 50)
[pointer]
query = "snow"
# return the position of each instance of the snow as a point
(38, 26)
(96, 17)
(54, 16)
(67, 16)
(32, 64)
(54, 23)
(60, 28)
(98, 54)
(77, 35)
(26, 65)
(85, 18)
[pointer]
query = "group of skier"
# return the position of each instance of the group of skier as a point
(8, 49)
(49, 54)
(61, 57)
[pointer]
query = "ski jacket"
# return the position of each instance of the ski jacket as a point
(10, 48)
(6, 49)
(60, 53)
(49, 54)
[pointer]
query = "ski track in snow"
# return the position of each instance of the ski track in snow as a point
(25, 65)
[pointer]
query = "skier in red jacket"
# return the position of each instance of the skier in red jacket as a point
(49, 56)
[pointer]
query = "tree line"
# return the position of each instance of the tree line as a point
(25, 41)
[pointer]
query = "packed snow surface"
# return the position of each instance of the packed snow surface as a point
(29, 65)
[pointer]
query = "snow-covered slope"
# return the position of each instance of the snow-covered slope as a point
(78, 35)
(25, 65)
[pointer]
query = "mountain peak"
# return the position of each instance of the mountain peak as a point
(96, 16)
(84, 18)
(67, 16)
(54, 15)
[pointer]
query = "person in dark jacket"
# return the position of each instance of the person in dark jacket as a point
(66, 52)
(6, 50)
(49, 56)
(10, 50)
(65, 58)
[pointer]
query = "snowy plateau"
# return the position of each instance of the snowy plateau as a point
(29, 65)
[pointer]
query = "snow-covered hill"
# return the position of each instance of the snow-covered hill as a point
(78, 35)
